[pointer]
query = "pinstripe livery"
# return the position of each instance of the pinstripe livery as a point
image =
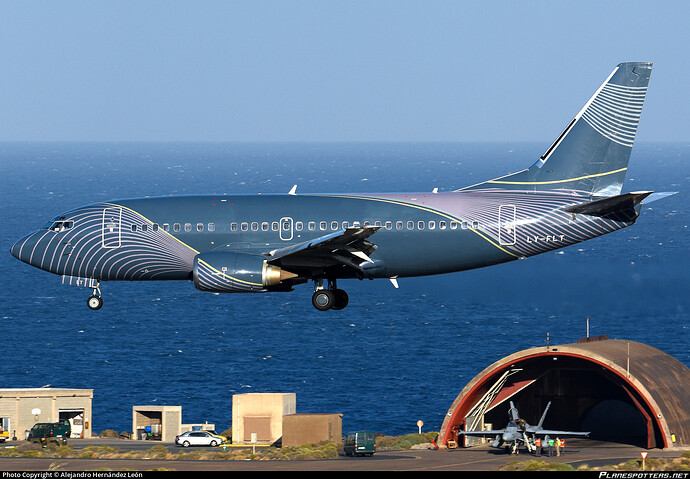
(615, 113)
(275, 242)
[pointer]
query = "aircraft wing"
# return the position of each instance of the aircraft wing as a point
(348, 247)
(490, 433)
(548, 432)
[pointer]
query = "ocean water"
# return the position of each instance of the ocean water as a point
(392, 357)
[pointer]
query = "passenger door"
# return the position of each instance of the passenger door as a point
(111, 235)
(507, 234)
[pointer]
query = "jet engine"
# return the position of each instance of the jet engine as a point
(226, 272)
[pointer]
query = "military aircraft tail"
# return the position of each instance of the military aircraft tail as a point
(591, 155)
(543, 416)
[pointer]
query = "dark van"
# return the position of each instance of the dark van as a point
(360, 444)
(45, 432)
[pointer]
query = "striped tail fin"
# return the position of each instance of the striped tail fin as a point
(591, 155)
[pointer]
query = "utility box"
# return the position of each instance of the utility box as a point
(301, 429)
(260, 414)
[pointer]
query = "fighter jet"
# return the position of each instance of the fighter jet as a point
(519, 431)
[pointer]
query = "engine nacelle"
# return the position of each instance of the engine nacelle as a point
(225, 272)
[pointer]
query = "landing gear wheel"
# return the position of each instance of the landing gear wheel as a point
(341, 299)
(323, 299)
(94, 302)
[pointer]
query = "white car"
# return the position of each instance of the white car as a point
(199, 438)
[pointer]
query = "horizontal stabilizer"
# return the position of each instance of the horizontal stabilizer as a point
(619, 208)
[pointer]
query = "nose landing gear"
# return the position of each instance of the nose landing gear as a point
(95, 301)
(324, 299)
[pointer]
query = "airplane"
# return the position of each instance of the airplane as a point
(263, 243)
(519, 431)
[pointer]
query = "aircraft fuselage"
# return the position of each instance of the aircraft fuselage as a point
(418, 233)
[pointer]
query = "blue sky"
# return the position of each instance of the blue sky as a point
(180, 70)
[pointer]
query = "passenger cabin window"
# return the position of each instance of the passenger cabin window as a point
(166, 227)
(212, 227)
(200, 227)
(176, 227)
(155, 226)
(188, 227)
(312, 225)
(299, 226)
(233, 226)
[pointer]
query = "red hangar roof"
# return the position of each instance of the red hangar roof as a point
(620, 391)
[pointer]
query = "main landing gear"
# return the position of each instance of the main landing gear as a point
(95, 301)
(328, 298)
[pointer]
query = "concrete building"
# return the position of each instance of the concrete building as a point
(161, 423)
(301, 429)
(260, 414)
(20, 409)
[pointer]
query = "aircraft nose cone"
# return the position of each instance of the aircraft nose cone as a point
(23, 248)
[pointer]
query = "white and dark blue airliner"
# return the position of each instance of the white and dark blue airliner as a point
(251, 244)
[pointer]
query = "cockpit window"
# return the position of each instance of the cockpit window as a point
(59, 226)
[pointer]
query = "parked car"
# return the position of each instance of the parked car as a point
(199, 438)
(360, 444)
(45, 432)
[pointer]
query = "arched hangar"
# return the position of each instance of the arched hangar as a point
(620, 391)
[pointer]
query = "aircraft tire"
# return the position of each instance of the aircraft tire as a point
(323, 299)
(94, 302)
(341, 299)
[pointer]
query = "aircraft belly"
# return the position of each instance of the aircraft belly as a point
(437, 254)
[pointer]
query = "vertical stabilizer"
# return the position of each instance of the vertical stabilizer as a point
(543, 416)
(591, 155)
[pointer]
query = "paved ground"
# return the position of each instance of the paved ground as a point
(579, 452)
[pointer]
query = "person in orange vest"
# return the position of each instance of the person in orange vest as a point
(562, 446)
(537, 443)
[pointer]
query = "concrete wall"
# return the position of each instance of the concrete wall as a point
(301, 429)
(168, 417)
(18, 404)
(262, 414)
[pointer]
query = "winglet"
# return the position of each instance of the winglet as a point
(293, 190)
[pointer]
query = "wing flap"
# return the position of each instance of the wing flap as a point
(348, 247)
